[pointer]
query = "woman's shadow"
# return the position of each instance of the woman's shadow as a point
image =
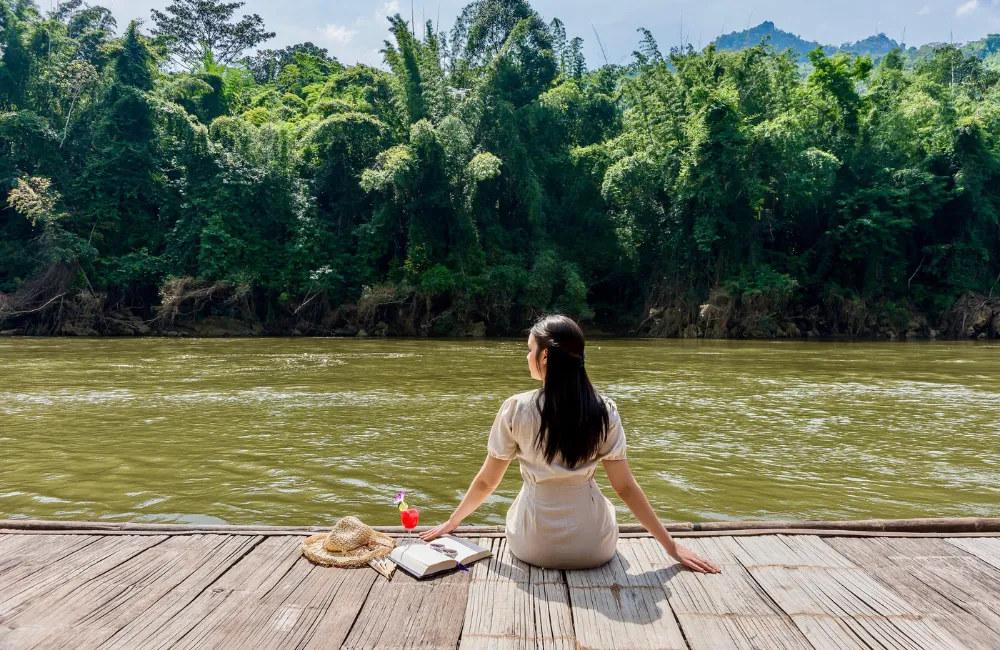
(612, 591)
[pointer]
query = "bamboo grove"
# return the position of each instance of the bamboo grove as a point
(151, 177)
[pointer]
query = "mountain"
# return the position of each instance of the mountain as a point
(987, 49)
(777, 38)
(877, 46)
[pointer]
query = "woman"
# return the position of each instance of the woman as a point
(560, 519)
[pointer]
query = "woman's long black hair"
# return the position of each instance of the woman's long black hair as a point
(574, 416)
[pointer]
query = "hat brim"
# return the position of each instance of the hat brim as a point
(313, 548)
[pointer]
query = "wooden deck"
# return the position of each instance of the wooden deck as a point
(244, 588)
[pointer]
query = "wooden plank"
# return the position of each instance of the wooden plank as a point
(309, 606)
(56, 580)
(476, 629)
(336, 622)
(409, 613)
(14, 546)
(827, 596)
(939, 580)
(514, 605)
(184, 574)
(244, 583)
(85, 614)
(727, 610)
(551, 611)
(621, 605)
(21, 555)
(987, 550)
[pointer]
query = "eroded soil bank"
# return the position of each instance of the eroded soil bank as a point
(188, 308)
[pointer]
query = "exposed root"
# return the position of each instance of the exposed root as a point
(37, 294)
(378, 299)
(974, 317)
(669, 313)
(186, 293)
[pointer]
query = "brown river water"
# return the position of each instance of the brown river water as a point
(302, 431)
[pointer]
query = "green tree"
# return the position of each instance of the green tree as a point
(193, 27)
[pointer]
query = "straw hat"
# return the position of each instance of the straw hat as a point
(350, 544)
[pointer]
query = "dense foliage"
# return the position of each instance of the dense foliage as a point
(484, 177)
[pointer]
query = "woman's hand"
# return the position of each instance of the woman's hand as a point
(439, 530)
(692, 561)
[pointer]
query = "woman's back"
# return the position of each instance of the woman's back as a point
(515, 431)
(560, 519)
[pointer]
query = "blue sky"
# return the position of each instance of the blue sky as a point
(354, 30)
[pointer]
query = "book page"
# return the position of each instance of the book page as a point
(467, 552)
(421, 559)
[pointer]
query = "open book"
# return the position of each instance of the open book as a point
(423, 561)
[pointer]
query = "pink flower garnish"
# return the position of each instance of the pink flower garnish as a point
(399, 498)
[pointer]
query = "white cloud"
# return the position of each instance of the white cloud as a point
(967, 8)
(389, 8)
(924, 11)
(338, 33)
(381, 12)
(359, 40)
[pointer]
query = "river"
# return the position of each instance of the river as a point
(302, 431)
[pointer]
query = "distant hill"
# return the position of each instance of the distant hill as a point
(987, 49)
(778, 38)
(877, 46)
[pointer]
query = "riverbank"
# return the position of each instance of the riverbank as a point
(188, 309)
(205, 589)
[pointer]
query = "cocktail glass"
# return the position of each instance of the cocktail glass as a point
(409, 518)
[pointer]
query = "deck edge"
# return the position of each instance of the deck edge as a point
(867, 527)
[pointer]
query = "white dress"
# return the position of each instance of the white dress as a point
(560, 518)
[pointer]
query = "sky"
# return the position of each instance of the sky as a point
(353, 30)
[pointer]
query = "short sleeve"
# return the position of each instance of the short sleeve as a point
(503, 444)
(614, 445)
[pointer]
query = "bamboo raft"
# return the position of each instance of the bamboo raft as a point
(900, 584)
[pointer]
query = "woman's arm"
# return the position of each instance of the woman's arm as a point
(628, 489)
(486, 481)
